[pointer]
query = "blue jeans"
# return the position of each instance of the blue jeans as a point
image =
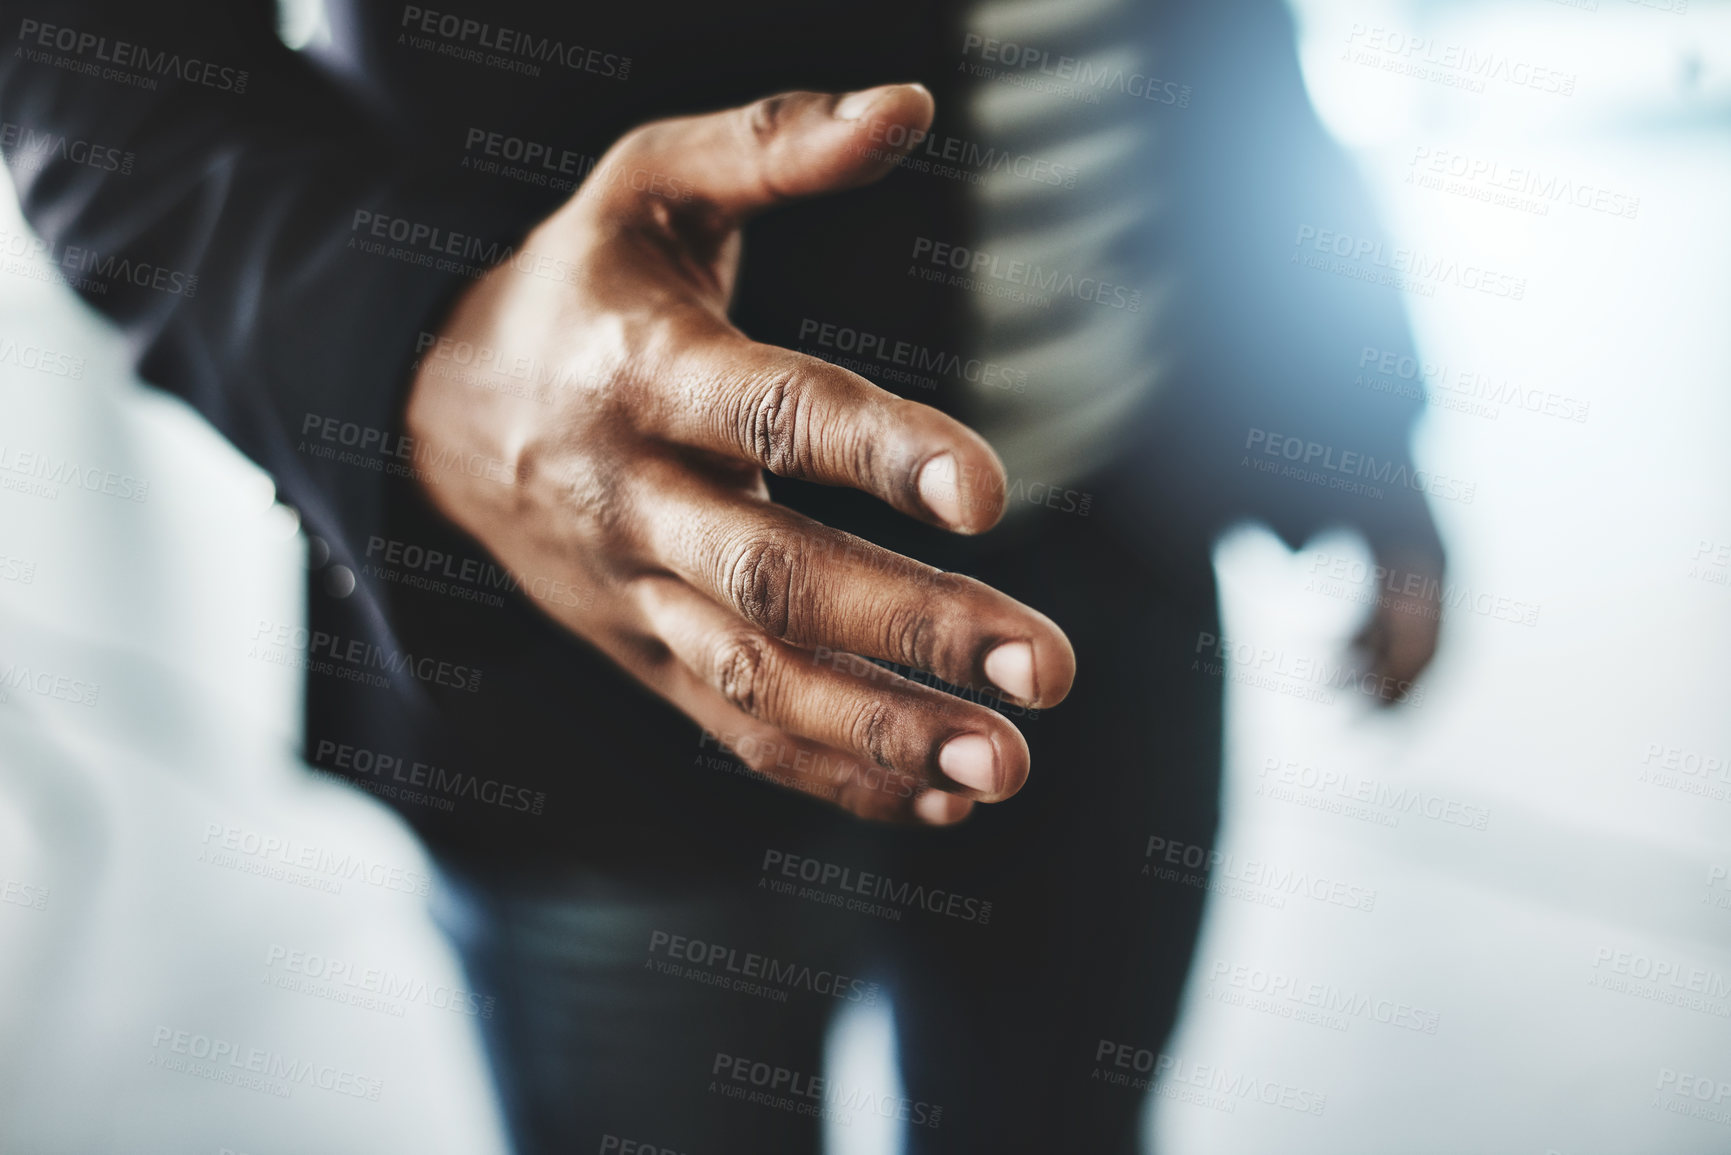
(687, 1011)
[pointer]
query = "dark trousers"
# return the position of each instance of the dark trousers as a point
(1016, 948)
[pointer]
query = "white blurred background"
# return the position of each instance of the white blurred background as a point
(1567, 966)
(122, 923)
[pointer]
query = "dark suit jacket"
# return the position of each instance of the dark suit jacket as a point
(332, 203)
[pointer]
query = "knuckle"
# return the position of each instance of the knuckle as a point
(773, 425)
(913, 636)
(918, 627)
(760, 584)
(740, 667)
(858, 453)
(764, 117)
(872, 731)
(795, 426)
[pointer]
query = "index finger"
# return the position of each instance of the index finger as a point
(801, 417)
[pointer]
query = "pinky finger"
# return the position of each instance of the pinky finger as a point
(862, 788)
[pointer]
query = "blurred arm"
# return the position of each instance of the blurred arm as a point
(1267, 348)
(214, 216)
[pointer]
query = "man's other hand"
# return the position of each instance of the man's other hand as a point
(1399, 640)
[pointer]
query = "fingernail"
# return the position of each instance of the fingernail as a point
(938, 489)
(969, 759)
(940, 809)
(856, 104)
(1011, 669)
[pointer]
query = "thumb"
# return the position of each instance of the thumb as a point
(798, 144)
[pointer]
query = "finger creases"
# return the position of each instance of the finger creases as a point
(801, 417)
(812, 768)
(799, 581)
(840, 701)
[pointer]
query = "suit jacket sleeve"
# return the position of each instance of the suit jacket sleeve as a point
(210, 191)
